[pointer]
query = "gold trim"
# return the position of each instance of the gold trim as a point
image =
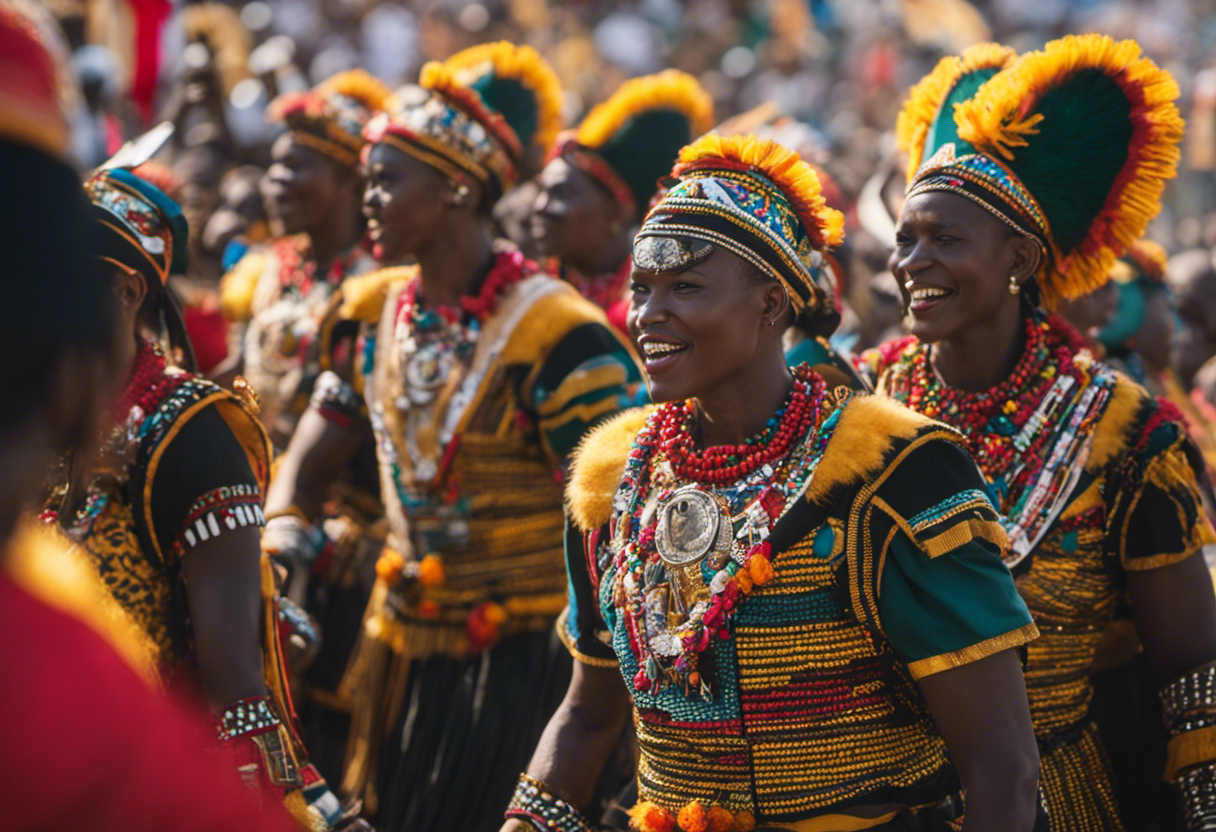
(1189, 749)
(839, 823)
(578, 655)
(964, 533)
(154, 460)
(981, 650)
(580, 383)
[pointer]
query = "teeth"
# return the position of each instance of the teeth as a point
(928, 293)
(654, 349)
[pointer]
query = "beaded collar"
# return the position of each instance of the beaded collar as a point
(1030, 434)
(604, 290)
(690, 530)
(298, 267)
(435, 345)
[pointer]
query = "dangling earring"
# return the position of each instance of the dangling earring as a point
(459, 196)
(1014, 288)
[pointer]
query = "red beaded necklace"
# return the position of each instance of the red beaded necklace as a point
(510, 267)
(297, 268)
(723, 464)
(148, 384)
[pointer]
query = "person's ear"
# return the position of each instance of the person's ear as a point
(776, 304)
(131, 288)
(1025, 259)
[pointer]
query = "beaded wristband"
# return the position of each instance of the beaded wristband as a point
(1198, 788)
(537, 802)
(1189, 702)
(248, 716)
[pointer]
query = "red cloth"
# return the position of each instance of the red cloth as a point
(88, 745)
(208, 333)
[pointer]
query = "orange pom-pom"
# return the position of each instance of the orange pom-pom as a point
(430, 571)
(761, 570)
(649, 817)
(693, 818)
(718, 819)
(389, 566)
(743, 578)
(427, 608)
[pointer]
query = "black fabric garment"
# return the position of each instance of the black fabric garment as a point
(467, 729)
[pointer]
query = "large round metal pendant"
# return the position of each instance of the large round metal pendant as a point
(426, 371)
(688, 526)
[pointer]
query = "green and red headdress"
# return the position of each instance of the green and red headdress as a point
(1071, 145)
(630, 141)
(480, 114)
(143, 228)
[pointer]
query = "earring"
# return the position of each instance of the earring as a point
(1014, 288)
(460, 196)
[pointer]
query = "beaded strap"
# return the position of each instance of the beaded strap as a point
(248, 716)
(1189, 707)
(1189, 702)
(536, 802)
(1198, 788)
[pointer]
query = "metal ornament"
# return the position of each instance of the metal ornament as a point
(691, 524)
(669, 254)
(426, 371)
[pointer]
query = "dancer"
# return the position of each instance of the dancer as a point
(482, 376)
(600, 178)
(1027, 177)
(278, 293)
(800, 587)
(170, 515)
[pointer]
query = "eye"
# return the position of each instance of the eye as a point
(638, 288)
(902, 240)
(685, 287)
(945, 238)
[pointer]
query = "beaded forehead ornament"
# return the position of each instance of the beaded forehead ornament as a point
(753, 197)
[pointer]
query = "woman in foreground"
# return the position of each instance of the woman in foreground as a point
(1025, 185)
(808, 626)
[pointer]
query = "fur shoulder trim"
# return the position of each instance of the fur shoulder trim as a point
(363, 295)
(863, 438)
(238, 286)
(597, 467)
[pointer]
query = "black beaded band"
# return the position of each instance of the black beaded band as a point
(248, 716)
(1198, 787)
(536, 802)
(1189, 702)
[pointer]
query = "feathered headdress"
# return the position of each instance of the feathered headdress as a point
(630, 141)
(1073, 145)
(478, 114)
(330, 117)
(754, 197)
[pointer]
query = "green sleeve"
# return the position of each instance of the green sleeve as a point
(947, 611)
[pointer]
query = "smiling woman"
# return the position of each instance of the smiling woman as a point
(1027, 177)
(714, 538)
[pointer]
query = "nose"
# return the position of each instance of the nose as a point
(649, 309)
(908, 261)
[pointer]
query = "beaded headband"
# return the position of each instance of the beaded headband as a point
(756, 199)
(146, 229)
(330, 119)
(429, 126)
(594, 165)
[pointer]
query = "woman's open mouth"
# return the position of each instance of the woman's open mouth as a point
(924, 298)
(660, 353)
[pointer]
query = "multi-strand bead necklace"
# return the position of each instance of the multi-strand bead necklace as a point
(757, 480)
(1029, 433)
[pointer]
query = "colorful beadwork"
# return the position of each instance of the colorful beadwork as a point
(535, 801)
(244, 717)
(751, 485)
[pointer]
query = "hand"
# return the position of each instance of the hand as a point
(516, 825)
(289, 537)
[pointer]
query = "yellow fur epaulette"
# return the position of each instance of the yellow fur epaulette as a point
(47, 565)
(363, 296)
(597, 467)
(862, 439)
(1111, 431)
(238, 286)
(547, 322)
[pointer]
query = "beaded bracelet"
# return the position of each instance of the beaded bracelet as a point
(539, 803)
(1189, 701)
(248, 716)
(1198, 787)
